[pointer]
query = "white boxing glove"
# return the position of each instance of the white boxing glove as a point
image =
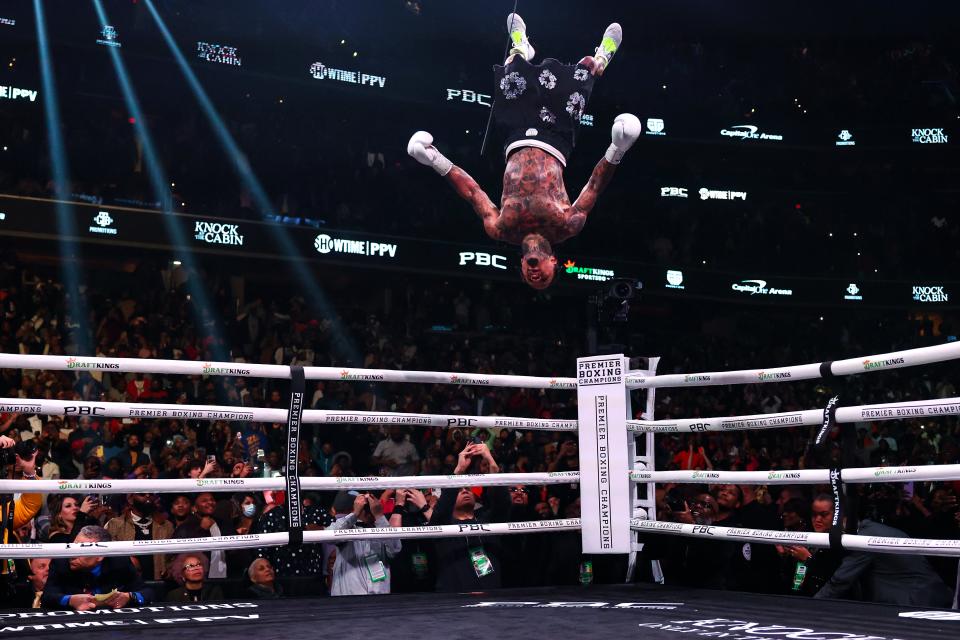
(626, 130)
(422, 149)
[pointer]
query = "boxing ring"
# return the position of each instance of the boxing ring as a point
(617, 480)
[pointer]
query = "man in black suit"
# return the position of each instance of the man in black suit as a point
(92, 582)
(904, 580)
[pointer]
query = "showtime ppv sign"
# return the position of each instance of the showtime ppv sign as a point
(320, 71)
(16, 93)
(326, 244)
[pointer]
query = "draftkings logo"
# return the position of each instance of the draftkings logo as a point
(66, 485)
(347, 375)
(763, 376)
(210, 370)
(588, 273)
(74, 363)
(455, 379)
(783, 475)
(869, 365)
(707, 475)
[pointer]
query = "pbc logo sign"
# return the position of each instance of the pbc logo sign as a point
(465, 95)
(481, 259)
(84, 411)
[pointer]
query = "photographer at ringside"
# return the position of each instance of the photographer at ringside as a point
(15, 512)
(471, 563)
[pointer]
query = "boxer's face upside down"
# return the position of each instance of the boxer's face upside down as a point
(538, 264)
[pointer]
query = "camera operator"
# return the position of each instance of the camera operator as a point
(15, 512)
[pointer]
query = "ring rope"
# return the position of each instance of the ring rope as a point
(850, 366)
(809, 417)
(252, 541)
(190, 485)
(851, 542)
(245, 370)
(857, 475)
(80, 408)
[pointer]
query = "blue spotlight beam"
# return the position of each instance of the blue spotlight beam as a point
(314, 293)
(66, 224)
(159, 182)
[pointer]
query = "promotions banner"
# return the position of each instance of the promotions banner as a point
(604, 483)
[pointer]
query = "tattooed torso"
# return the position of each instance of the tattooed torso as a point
(534, 198)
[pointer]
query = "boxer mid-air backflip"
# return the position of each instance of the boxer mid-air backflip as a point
(539, 109)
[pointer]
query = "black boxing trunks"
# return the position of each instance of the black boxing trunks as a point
(541, 105)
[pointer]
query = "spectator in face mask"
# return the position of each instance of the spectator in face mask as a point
(251, 508)
(137, 523)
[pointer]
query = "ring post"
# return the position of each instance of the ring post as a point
(605, 497)
(644, 506)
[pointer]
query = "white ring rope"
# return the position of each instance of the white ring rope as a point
(850, 366)
(203, 485)
(809, 417)
(253, 541)
(909, 546)
(190, 367)
(80, 408)
(858, 475)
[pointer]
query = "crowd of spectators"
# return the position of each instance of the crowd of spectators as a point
(154, 320)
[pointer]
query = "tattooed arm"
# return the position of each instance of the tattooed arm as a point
(599, 180)
(468, 189)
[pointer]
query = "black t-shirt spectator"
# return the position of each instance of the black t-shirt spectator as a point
(455, 569)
